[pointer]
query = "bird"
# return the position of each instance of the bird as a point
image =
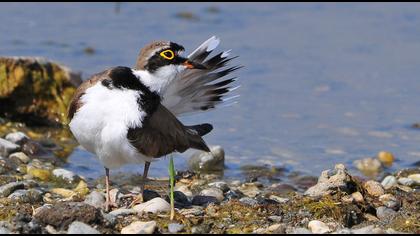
(129, 115)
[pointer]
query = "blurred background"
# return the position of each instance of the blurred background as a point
(321, 84)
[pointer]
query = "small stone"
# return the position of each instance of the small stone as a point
(233, 194)
(386, 158)
(7, 189)
(406, 181)
(368, 166)
(220, 185)
(200, 229)
(370, 217)
(184, 189)
(384, 212)
(207, 162)
(300, 230)
(155, 205)
(275, 218)
(248, 201)
(370, 229)
(123, 212)
(373, 188)
(389, 182)
(41, 173)
(179, 198)
(192, 212)
(347, 199)
(203, 200)
(95, 199)
(389, 201)
(26, 196)
(19, 157)
(175, 228)
(357, 196)
(236, 183)
(318, 227)
(139, 227)
(415, 178)
(250, 189)
(277, 229)
(149, 195)
(17, 138)
(280, 200)
(4, 230)
(66, 193)
(65, 175)
(213, 192)
(7, 147)
(78, 227)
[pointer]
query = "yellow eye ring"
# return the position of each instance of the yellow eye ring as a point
(170, 52)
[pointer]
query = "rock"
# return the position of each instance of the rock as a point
(386, 158)
(63, 192)
(192, 212)
(373, 188)
(184, 189)
(7, 166)
(139, 227)
(19, 157)
(275, 218)
(38, 171)
(283, 188)
(371, 229)
(208, 162)
(62, 214)
(415, 178)
(368, 166)
(331, 181)
(65, 175)
(384, 212)
(17, 138)
(37, 90)
(179, 198)
(7, 189)
(26, 196)
(213, 192)
(149, 195)
(277, 229)
(406, 181)
(236, 183)
(220, 185)
(357, 196)
(4, 230)
(7, 147)
(155, 205)
(200, 229)
(318, 227)
(249, 189)
(233, 194)
(122, 212)
(203, 200)
(300, 231)
(78, 227)
(280, 200)
(95, 199)
(389, 201)
(389, 182)
(248, 201)
(175, 228)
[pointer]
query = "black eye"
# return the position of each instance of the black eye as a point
(168, 54)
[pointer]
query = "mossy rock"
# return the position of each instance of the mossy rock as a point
(35, 91)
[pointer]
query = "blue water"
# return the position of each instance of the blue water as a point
(321, 83)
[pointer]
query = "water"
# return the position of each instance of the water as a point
(321, 83)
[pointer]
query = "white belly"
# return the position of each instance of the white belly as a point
(101, 125)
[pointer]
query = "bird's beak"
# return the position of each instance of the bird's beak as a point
(194, 65)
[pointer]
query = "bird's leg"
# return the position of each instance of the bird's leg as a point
(140, 198)
(108, 202)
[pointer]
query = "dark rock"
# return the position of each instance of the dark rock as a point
(7, 147)
(17, 138)
(63, 214)
(181, 200)
(385, 213)
(26, 196)
(233, 194)
(203, 200)
(149, 195)
(248, 201)
(9, 188)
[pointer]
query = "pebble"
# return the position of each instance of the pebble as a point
(175, 228)
(280, 200)
(9, 188)
(277, 229)
(220, 185)
(203, 200)
(300, 230)
(318, 227)
(357, 196)
(373, 188)
(184, 189)
(149, 195)
(389, 182)
(249, 189)
(275, 218)
(155, 205)
(206, 162)
(17, 138)
(179, 197)
(95, 199)
(384, 212)
(389, 201)
(19, 157)
(213, 192)
(248, 201)
(405, 181)
(200, 229)
(233, 194)
(123, 212)
(78, 227)
(191, 212)
(26, 196)
(415, 178)
(7, 147)
(386, 158)
(65, 175)
(139, 227)
(370, 229)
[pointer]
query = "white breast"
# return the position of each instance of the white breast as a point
(101, 124)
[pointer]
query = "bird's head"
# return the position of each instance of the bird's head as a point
(163, 58)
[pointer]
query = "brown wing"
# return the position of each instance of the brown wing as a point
(162, 133)
(75, 103)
